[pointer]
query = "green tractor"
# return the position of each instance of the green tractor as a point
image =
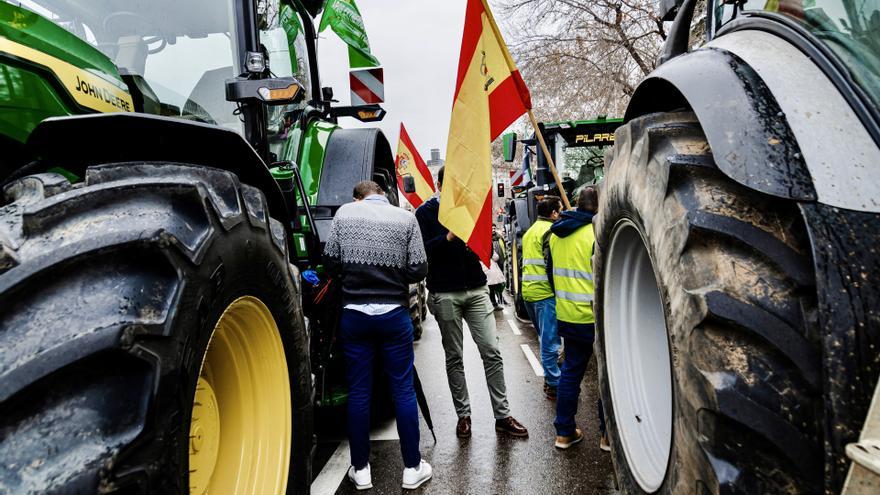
(737, 259)
(578, 149)
(168, 171)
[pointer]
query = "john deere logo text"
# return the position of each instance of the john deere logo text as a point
(594, 138)
(101, 94)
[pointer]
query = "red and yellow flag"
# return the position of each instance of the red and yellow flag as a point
(409, 162)
(489, 96)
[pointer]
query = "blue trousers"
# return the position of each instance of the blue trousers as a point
(543, 315)
(578, 349)
(362, 337)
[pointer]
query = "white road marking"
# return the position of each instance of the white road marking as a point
(334, 471)
(536, 365)
(513, 327)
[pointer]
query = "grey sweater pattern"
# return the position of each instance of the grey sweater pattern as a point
(376, 250)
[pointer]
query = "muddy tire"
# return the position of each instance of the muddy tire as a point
(110, 292)
(708, 356)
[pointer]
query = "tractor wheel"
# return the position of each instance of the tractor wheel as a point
(519, 309)
(153, 338)
(708, 358)
(415, 310)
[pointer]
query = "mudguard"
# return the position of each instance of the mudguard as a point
(353, 155)
(774, 119)
(746, 129)
(77, 142)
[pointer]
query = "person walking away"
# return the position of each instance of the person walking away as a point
(495, 280)
(569, 262)
(376, 250)
(457, 287)
(537, 291)
(501, 249)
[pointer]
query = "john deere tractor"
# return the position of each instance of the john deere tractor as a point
(168, 169)
(577, 149)
(737, 256)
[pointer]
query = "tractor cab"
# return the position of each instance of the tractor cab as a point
(172, 58)
(577, 149)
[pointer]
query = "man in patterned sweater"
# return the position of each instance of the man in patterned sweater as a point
(375, 249)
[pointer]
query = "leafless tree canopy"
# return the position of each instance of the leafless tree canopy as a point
(581, 58)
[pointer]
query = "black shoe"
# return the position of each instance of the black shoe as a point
(463, 428)
(512, 427)
(550, 391)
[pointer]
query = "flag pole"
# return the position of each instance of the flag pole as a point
(549, 160)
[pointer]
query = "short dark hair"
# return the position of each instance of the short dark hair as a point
(365, 188)
(588, 199)
(548, 205)
(440, 175)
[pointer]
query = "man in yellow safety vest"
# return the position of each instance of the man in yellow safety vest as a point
(570, 265)
(537, 292)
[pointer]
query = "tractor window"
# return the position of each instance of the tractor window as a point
(584, 165)
(282, 33)
(183, 50)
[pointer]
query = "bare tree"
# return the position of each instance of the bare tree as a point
(581, 58)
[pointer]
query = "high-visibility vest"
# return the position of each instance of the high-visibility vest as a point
(573, 275)
(535, 285)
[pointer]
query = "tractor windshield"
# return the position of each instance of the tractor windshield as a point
(851, 28)
(584, 165)
(184, 50)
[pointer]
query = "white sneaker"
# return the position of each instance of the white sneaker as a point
(361, 478)
(414, 477)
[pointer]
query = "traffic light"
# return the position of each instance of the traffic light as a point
(500, 189)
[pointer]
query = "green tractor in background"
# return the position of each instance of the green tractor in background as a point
(578, 149)
(168, 170)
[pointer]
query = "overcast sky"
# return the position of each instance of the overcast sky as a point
(418, 43)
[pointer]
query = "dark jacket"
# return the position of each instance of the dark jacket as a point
(569, 222)
(375, 250)
(452, 265)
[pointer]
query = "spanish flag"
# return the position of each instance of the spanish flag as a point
(489, 96)
(409, 162)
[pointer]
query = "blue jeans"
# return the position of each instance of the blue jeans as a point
(543, 314)
(578, 349)
(391, 334)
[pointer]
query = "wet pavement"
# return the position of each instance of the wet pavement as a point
(486, 463)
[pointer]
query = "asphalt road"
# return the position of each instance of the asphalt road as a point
(487, 463)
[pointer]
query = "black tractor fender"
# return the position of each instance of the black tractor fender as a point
(354, 155)
(747, 131)
(77, 142)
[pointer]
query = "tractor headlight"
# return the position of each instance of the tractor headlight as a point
(255, 62)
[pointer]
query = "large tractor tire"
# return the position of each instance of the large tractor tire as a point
(708, 356)
(151, 337)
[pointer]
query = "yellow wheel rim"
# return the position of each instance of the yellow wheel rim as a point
(241, 422)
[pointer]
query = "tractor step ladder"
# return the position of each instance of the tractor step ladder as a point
(864, 472)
